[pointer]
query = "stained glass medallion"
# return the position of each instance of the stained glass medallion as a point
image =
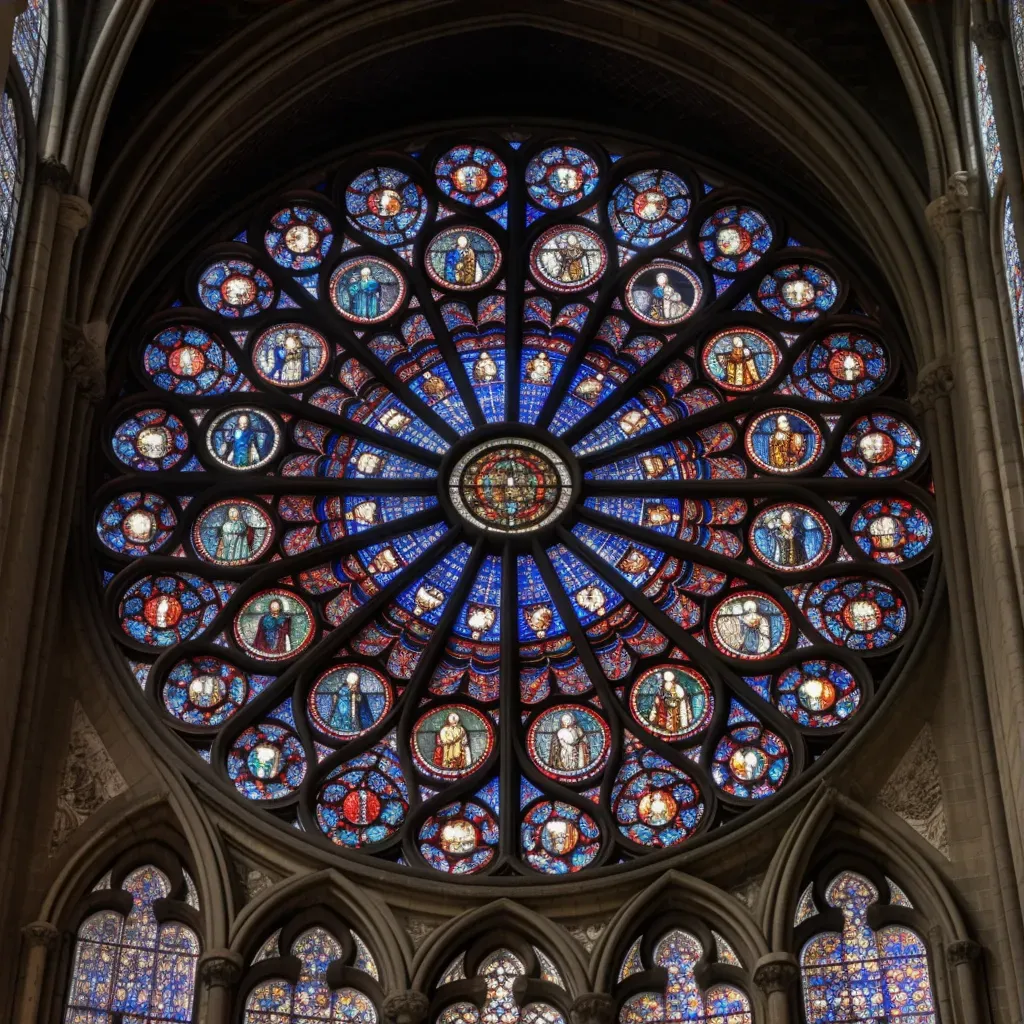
(513, 509)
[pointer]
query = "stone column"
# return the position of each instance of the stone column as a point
(774, 975)
(960, 956)
(405, 1007)
(592, 1008)
(41, 939)
(220, 971)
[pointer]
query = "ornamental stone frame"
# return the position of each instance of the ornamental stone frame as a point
(931, 246)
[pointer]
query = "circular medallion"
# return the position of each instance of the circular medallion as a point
(474, 175)
(750, 762)
(188, 361)
(568, 259)
(243, 439)
(647, 207)
(267, 762)
(386, 204)
(859, 614)
(204, 690)
(880, 445)
(462, 258)
(654, 803)
(232, 532)
(150, 440)
(891, 530)
(367, 290)
(365, 800)
(137, 523)
(742, 359)
(560, 176)
(451, 742)
(569, 742)
(510, 486)
(235, 288)
(290, 355)
(783, 441)
(558, 838)
(160, 611)
(298, 238)
(790, 537)
(673, 701)
(734, 238)
(799, 292)
(461, 838)
(349, 700)
(841, 367)
(274, 625)
(817, 694)
(749, 625)
(663, 292)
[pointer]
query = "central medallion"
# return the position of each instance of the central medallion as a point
(510, 485)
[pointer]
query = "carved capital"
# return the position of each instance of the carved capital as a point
(53, 174)
(592, 1008)
(934, 381)
(84, 351)
(41, 933)
(74, 213)
(405, 1007)
(988, 35)
(220, 968)
(943, 215)
(963, 951)
(776, 972)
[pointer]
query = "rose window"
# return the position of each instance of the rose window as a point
(517, 506)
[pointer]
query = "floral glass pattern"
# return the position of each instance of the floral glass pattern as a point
(311, 999)
(29, 45)
(862, 973)
(447, 554)
(678, 954)
(134, 966)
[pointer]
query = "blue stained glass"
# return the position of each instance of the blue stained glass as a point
(480, 617)
(647, 207)
(592, 598)
(29, 43)
(186, 360)
(560, 176)
(987, 122)
(861, 971)
(548, 339)
(136, 965)
(341, 456)
(635, 561)
(10, 184)
(136, 523)
(428, 596)
(538, 616)
(387, 204)
(1014, 280)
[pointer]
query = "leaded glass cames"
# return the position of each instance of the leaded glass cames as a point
(514, 506)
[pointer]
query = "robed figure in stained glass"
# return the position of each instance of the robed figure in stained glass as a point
(236, 538)
(451, 749)
(670, 710)
(352, 712)
(274, 632)
(569, 751)
(364, 295)
(461, 265)
(740, 368)
(291, 361)
(785, 446)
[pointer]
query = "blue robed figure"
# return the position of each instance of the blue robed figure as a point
(291, 361)
(352, 712)
(364, 295)
(791, 538)
(243, 444)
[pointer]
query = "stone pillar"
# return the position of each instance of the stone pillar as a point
(405, 1007)
(960, 956)
(774, 975)
(592, 1008)
(220, 971)
(41, 940)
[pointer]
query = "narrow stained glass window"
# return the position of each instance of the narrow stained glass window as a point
(987, 122)
(1014, 280)
(134, 968)
(10, 183)
(278, 1001)
(29, 46)
(861, 974)
(1017, 27)
(683, 998)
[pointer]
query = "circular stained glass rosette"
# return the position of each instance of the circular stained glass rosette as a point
(664, 292)
(741, 359)
(798, 292)
(520, 486)
(386, 204)
(734, 238)
(568, 259)
(235, 288)
(561, 175)
(471, 174)
(790, 537)
(648, 206)
(298, 238)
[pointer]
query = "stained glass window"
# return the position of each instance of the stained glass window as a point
(29, 45)
(134, 966)
(678, 953)
(1014, 280)
(10, 183)
(512, 503)
(311, 998)
(987, 120)
(500, 971)
(1017, 30)
(862, 973)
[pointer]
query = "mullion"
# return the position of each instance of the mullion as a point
(515, 279)
(509, 704)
